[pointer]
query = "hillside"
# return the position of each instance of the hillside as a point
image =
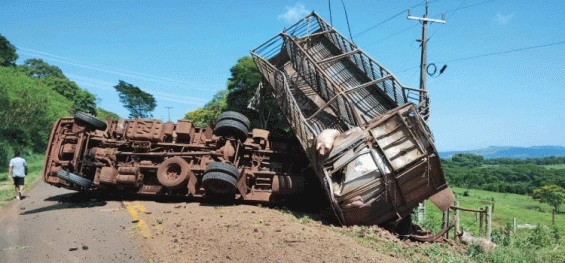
(512, 152)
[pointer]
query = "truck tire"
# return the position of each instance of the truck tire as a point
(231, 128)
(219, 183)
(73, 178)
(173, 172)
(90, 120)
(223, 168)
(236, 116)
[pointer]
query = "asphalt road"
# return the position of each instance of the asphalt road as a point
(56, 225)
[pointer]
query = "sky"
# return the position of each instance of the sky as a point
(504, 84)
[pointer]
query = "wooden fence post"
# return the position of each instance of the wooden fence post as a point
(481, 222)
(457, 224)
(446, 222)
(489, 222)
(514, 226)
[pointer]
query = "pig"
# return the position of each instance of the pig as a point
(484, 244)
(325, 141)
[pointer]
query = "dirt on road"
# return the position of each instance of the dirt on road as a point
(61, 225)
(198, 232)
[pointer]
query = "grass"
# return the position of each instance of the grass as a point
(540, 245)
(380, 240)
(35, 167)
(555, 166)
(506, 207)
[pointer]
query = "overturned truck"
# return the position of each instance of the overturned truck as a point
(361, 139)
(364, 133)
(149, 156)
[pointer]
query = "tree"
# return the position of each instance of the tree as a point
(467, 159)
(210, 111)
(8, 54)
(27, 113)
(53, 77)
(242, 84)
(103, 114)
(550, 194)
(82, 99)
(38, 68)
(139, 103)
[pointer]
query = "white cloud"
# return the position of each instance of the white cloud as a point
(293, 14)
(503, 19)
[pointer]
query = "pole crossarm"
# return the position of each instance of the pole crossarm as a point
(426, 19)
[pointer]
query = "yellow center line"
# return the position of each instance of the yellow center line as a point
(139, 206)
(140, 223)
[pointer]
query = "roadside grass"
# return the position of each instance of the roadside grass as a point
(382, 241)
(35, 167)
(543, 244)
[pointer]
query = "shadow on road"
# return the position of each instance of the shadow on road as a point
(300, 208)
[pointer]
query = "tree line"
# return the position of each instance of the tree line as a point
(520, 176)
(242, 87)
(35, 94)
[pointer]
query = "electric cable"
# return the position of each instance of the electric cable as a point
(330, 8)
(390, 18)
(493, 54)
(347, 19)
(503, 52)
(454, 11)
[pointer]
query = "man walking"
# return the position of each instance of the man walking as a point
(18, 171)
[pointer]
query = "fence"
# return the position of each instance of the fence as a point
(484, 216)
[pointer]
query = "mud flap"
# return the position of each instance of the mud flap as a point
(192, 181)
(443, 199)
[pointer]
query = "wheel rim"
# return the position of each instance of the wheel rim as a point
(173, 172)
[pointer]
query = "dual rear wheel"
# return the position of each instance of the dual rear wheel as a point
(220, 179)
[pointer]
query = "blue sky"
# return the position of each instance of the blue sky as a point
(181, 52)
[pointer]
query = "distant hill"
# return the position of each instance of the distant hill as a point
(512, 152)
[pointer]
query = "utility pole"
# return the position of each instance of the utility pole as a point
(169, 109)
(424, 42)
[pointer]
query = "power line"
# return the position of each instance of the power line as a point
(492, 54)
(457, 9)
(390, 18)
(330, 8)
(394, 34)
(503, 52)
(347, 19)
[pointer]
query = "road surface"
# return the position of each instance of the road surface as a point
(56, 225)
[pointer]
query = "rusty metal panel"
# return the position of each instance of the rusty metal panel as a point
(397, 142)
(168, 128)
(108, 175)
(126, 178)
(145, 129)
(184, 130)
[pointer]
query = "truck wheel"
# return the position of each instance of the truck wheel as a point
(236, 116)
(173, 172)
(219, 183)
(231, 128)
(73, 178)
(223, 168)
(90, 120)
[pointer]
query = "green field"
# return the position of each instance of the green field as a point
(506, 207)
(555, 166)
(538, 245)
(35, 165)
